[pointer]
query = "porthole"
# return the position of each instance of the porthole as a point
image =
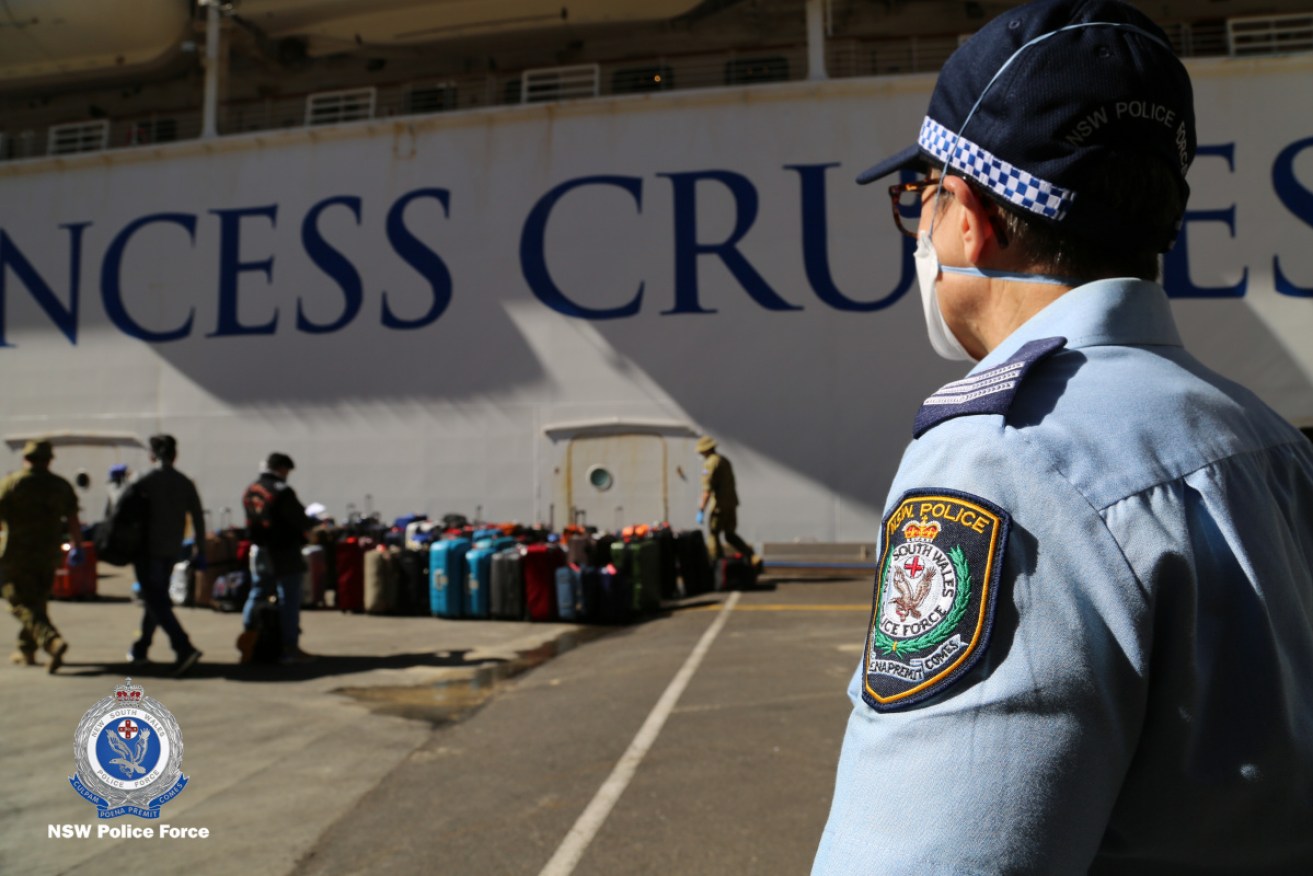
(600, 477)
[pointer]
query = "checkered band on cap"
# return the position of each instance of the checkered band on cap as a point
(1011, 183)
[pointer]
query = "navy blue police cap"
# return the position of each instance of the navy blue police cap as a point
(1042, 94)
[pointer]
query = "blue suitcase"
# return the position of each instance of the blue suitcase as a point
(447, 574)
(478, 590)
(567, 593)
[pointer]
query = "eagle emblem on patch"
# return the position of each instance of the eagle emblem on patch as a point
(934, 595)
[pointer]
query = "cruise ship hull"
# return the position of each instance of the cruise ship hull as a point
(531, 312)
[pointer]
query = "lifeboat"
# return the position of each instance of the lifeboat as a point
(45, 42)
(49, 42)
(329, 26)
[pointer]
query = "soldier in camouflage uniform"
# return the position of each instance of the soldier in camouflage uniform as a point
(719, 503)
(40, 510)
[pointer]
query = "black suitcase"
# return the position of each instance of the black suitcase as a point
(413, 578)
(615, 603)
(693, 561)
(590, 594)
(665, 539)
(735, 573)
(602, 550)
(506, 596)
(268, 623)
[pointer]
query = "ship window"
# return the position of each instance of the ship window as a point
(742, 71)
(636, 79)
(601, 478)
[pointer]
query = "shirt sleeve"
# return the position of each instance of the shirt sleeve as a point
(1016, 765)
(711, 475)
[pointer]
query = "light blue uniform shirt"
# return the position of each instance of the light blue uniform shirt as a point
(1145, 703)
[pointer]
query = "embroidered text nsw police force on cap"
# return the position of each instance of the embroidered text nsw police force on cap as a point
(934, 595)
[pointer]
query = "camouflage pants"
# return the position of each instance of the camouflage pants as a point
(724, 521)
(28, 590)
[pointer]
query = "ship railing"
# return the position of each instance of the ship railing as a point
(75, 137)
(339, 107)
(559, 83)
(1198, 39)
(889, 56)
(1269, 34)
(846, 56)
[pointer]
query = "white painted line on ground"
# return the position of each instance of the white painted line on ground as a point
(590, 822)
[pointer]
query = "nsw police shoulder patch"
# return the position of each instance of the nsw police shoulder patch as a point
(934, 595)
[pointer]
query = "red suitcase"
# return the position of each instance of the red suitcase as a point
(78, 583)
(349, 559)
(540, 564)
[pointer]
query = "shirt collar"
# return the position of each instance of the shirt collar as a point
(1124, 312)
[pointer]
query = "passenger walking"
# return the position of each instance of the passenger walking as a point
(170, 498)
(1090, 648)
(115, 484)
(39, 509)
(277, 525)
(719, 503)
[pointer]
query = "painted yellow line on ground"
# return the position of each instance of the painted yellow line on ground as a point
(784, 606)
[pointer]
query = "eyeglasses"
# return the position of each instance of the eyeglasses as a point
(907, 198)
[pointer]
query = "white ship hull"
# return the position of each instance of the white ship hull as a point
(474, 312)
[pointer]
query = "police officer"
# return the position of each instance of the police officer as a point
(40, 510)
(719, 503)
(1091, 639)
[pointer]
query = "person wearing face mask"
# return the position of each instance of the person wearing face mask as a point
(1090, 647)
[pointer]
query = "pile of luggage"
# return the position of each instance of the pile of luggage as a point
(451, 568)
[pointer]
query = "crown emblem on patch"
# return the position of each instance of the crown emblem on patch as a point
(128, 693)
(924, 530)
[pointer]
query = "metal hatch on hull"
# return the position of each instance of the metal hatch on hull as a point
(331, 25)
(46, 42)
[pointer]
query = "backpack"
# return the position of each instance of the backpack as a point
(258, 500)
(121, 539)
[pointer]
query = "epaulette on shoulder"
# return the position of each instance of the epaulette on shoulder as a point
(989, 392)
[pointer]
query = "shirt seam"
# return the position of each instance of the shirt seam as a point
(1049, 459)
(1227, 457)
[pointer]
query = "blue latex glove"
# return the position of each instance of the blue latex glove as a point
(74, 557)
(701, 516)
